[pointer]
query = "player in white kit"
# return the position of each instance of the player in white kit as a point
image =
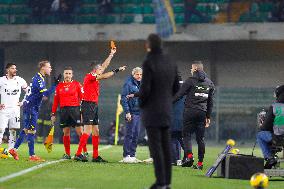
(11, 87)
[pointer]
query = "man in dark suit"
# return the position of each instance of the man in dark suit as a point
(159, 85)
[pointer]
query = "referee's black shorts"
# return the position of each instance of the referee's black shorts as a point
(70, 116)
(90, 113)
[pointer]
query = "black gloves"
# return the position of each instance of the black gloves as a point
(57, 80)
(115, 70)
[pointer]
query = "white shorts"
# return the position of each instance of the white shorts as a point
(10, 117)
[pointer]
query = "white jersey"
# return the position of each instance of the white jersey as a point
(10, 90)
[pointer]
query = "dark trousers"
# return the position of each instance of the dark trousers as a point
(194, 122)
(160, 150)
(177, 144)
(131, 136)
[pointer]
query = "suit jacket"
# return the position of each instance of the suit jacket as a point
(158, 86)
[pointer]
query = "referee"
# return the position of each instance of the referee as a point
(90, 107)
(68, 96)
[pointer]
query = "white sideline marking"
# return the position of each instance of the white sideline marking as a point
(13, 175)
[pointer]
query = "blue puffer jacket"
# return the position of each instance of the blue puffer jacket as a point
(177, 119)
(131, 105)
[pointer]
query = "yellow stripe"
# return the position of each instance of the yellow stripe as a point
(41, 91)
(171, 14)
(41, 76)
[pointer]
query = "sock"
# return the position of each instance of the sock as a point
(20, 140)
(82, 143)
(31, 143)
(84, 147)
(95, 141)
(190, 155)
(12, 138)
(199, 163)
(66, 142)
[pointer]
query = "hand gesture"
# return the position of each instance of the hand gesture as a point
(122, 68)
(129, 96)
(128, 117)
(207, 124)
(53, 119)
(112, 51)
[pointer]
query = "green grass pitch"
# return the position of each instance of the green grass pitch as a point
(113, 175)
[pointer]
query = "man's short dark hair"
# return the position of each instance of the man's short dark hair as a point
(198, 64)
(94, 65)
(9, 65)
(154, 41)
(68, 68)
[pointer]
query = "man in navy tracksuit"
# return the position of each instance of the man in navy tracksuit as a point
(176, 130)
(132, 116)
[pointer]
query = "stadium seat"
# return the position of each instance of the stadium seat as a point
(117, 1)
(128, 19)
(201, 8)
(194, 19)
(22, 2)
(4, 10)
(136, 2)
(128, 9)
(109, 19)
(149, 19)
(21, 20)
(266, 7)
(86, 19)
(178, 9)
(88, 10)
(3, 20)
(5, 1)
(126, 1)
(147, 1)
(148, 9)
(89, 1)
(138, 10)
(179, 19)
(50, 20)
(178, 1)
(20, 10)
(117, 10)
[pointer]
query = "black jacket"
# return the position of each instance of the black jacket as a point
(269, 117)
(158, 86)
(199, 91)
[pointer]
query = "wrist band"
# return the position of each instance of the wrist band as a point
(115, 70)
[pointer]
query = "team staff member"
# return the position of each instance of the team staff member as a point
(132, 116)
(158, 86)
(199, 91)
(90, 106)
(31, 107)
(68, 96)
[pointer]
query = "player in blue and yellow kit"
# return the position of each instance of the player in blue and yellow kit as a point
(31, 107)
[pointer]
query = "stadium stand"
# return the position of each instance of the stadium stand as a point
(142, 12)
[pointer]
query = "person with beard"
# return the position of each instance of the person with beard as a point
(199, 91)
